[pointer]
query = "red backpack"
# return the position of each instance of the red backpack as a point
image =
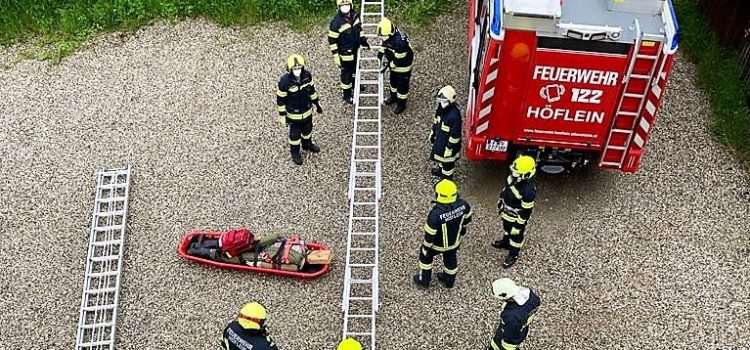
(235, 242)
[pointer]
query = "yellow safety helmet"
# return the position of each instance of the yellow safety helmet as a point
(252, 316)
(446, 191)
(523, 167)
(295, 60)
(504, 288)
(342, 2)
(349, 344)
(447, 93)
(386, 27)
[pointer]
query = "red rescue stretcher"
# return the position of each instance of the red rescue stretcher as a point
(309, 271)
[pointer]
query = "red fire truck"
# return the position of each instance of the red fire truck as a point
(571, 82)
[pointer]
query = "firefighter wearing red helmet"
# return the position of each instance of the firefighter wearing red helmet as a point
(515, 206)
(446, 133)
(399, 57)
(248, 331)
(443, 231)
(295, 98)
(345, 36)
(519, 309)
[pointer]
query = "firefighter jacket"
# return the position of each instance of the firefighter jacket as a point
(445, 225)
(517, 200)
(295, 97)
(345, 35)
(446, 134)
(237, 338)
(515, 320)
(398, 52)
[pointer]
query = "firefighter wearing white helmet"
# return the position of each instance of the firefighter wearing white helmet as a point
(349, 344)
(248, 331)
(295, 98)
(445, 135)
(520, 305)
(345, 36)
(514, 207)
(443, 231)
(399, 57)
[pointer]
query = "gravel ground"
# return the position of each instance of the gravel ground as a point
(658, 259)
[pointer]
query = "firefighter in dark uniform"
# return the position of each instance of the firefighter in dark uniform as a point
(443, 231)
(515, 205)
(248, 331)
(345, 36)
(295, 98)
(446, 133)
(520, 305)
(399, 57)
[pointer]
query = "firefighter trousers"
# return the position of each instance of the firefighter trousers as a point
(450, 265)
(447, 169)
(513, 238)
(399, 85)
(348, 69)
(300, 133)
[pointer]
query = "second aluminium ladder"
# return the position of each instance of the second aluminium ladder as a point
(101, 286)
(360, 300)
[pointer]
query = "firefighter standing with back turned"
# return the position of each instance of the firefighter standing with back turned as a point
(445, 135)
(443, 231)
(295, 98)
(399, 57)
(520, 305)
(515, 205)
(345, 36)
(248, 331)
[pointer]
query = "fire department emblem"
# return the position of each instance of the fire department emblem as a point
(552, 92)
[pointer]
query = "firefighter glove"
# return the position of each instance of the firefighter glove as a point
(281, 120)
(337, 60)
(385, 67)
(365, 44)
(318, 108)
(432, 137)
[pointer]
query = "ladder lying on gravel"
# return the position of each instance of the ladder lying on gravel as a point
(360, 297)
(101, 286)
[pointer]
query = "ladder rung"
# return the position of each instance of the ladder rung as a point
(109, 242)
(611, 164)
(367, 147)
(360, 298)
(94, 344)
(107, 228)
(618, 148)
(369, 95)
(112, 186)
(360, 316)
(367, 120)
(364, 174)
(622, 131)
(363, 249)
(651, 57)
(366, 70)
(110, 200)
(359, 333)
(368, 107)
(355, 281)
(105, 258)
(99, 307)
(367, 133)
(104, 274)
(110, 213)
(362, 265)
(366, 160)
(372, 218)
(627, 94)
(363, 233)
(96, 325)
(640, 76)
(630, 114)
(102, 290)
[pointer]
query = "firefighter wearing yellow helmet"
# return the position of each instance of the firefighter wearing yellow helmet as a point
(514, 207)
(295, 98)
(248, 331)
(519, 308)
(399, 57)
(349, 344)
(445, 226)
(345, 36)
(445, 135)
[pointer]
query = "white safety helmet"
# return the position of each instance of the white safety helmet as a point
(504, 288)
(446, 94)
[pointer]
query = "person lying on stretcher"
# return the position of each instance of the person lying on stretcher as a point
(271, 251)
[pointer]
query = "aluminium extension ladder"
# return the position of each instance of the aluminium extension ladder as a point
(360, 301)
(101, 286)
(620, 149)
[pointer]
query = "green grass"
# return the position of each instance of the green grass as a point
(55, 28)
(719, 73)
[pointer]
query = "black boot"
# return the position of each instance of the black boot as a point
(447, 280)
(437, 171)
(347, 96)
(400, 106)
(391, 99)
(420, 283)
(510, 260)
(296, 158)
(309, 146)
(501, 243)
